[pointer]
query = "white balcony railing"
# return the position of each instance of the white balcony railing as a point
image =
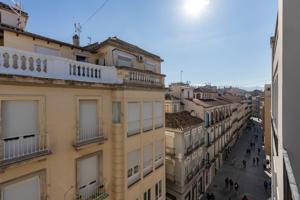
(25, 63)
(89, 133)
(18, 147)
(92, 192)
(134, 178)
(147, 167)
(159, 161)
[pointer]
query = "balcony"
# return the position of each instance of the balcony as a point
(147, 168)
(188, 151)
(133, 76)
(23, 147)
(188, 178)
(26, 63)
(159, 161)
(95, 193)
(85, 136)
(170, 151)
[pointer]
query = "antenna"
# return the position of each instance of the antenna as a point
(17, 8)
(181, 71)
(90, 39)
(77, 27)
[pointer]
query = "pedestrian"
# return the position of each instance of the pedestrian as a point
(245, 198)
(231, 183)
(207, 196)
(212, 196)
(254, 161)
(258, 150)
(266, 185)
(257, 161)
(226, 182)
(270, 184)
(236, 186)
(244, 163)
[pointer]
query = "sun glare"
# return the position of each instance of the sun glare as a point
(194, 8)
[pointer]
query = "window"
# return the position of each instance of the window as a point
(158, 114)
(206, 119)
(148, 117)
(133, 118)
(159, 153)
(147, 159)
(187, 140)
(88, 176)
(28, 188)
(88, 120)
(158, 190)
(116, 112)
(20, 128)
(150, 66)
(133, 166)
(46, 50)
(167, 108)
(147, 195)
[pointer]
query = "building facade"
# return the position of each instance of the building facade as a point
(78, 122)
(224, 119)
(266, 121)
(285, 110)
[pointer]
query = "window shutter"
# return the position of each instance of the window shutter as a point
(133, 159)
(147, 154)
(88, 120)
(20, 118)
(88, 175)
(158, 149)
(116, 112)
(147, 115)
(158, 114)
(133, 117)
(26, 189)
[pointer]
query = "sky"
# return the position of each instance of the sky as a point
(227, 43)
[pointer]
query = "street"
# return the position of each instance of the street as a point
(250, 179)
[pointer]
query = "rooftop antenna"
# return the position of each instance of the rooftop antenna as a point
(181, 71)
(17, 8)
(77, 27)
(90, 39)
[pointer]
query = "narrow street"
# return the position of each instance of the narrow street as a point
(250, 179)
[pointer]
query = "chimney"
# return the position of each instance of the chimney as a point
(76, 40)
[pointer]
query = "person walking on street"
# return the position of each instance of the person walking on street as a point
(236, 186)
(266, 185)
(226, 182)
(245, 198)
(244, 163)
(253, 161)
(258, 151)
(231, 183)
(257, 161)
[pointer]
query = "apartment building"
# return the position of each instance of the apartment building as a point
(266, 121)
(215, 111)
(284, 102)
(78, 122)
(185, 143)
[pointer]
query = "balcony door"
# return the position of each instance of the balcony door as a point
(20, 128)
(88, 120)
(88, 176)
(28, 189)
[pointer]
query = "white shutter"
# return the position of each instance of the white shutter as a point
(47, 51)
(88, 169)
(158, 149)
(133, 158)
(88, 120)
(28, 189)
(158, 114)
(133, 117)
(147, 116)
(147, 154)
(19, 118)
(20, 128)
(169, 141)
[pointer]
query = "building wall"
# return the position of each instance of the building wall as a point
(267, 121)
(60, 109)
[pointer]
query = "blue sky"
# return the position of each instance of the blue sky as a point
(227, 44)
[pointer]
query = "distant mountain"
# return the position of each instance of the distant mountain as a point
(249, 89)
